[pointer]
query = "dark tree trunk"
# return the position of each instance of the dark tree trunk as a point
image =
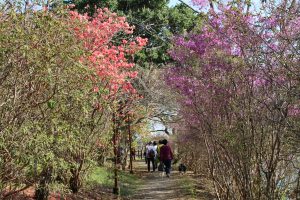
(75, 183)
(42, 191)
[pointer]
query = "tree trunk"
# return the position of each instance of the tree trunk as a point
(42, 191)
(75, 183)
(130, 147)
(116, 189)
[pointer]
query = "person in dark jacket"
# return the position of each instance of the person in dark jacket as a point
(166, 156)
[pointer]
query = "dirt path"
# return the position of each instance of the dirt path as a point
(177, 187)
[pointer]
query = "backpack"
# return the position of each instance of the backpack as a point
(151, 153)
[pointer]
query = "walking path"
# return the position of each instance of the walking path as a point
(177, 187)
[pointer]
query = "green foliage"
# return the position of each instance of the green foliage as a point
(182, 19)
(157, 22)
(46, 114)
(89, 6)
(100, 176)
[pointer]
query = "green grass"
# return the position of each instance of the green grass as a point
(129, 183)
(100, 176)
(104, 177)
(189, 185)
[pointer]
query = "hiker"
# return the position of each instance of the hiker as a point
(156, 159)
(133, 153)
(151, 154)
(160, 144)
(140, 153)
(145, 156)
(159, 163)
(145, 153)
(166, 156)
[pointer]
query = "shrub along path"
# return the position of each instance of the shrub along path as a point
(177, 187)
(140, 185)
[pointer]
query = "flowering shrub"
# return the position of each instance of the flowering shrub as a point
(61, 73)
(237, 80)
(109, 54)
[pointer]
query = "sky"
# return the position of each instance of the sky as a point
(256, 3)
(174, 2)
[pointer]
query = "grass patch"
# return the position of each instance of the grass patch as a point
(189, 185)
(129, 183)
(105, 177)
(100, 176)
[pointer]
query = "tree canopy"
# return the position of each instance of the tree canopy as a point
(154, 20)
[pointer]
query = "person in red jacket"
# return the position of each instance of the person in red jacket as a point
(166, 156)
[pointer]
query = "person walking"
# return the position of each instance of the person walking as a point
(160, 144)
(145, 157)
(145, 152)
(155, 147)
(160, 165)
(166, 156)
(133, 153)
(150, 154)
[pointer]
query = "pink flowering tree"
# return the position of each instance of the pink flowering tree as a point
(238, 83)
(109, 54)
